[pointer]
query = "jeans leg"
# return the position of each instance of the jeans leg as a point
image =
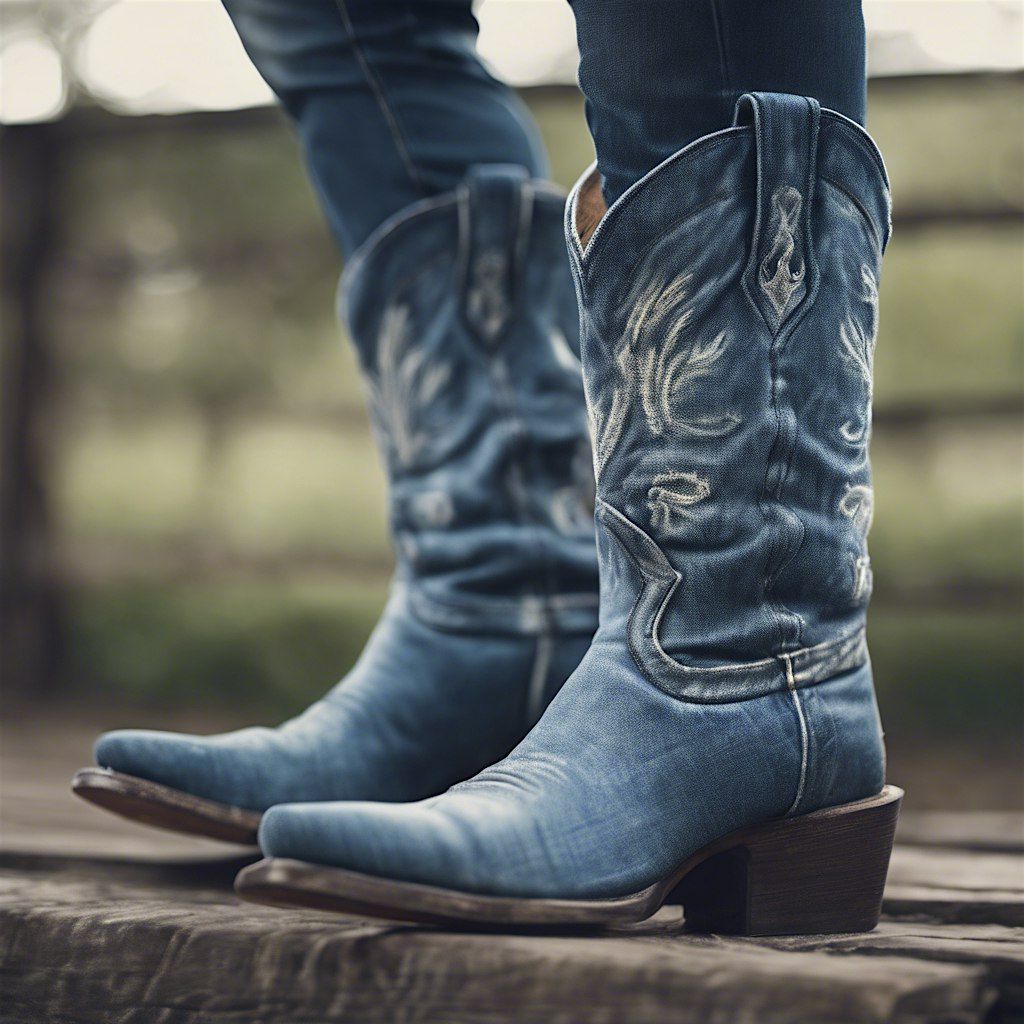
(389, 99)
(659, 74)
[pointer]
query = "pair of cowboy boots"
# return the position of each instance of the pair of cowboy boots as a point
(716, 742)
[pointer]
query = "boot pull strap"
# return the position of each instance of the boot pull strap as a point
(495, 212)
(781, 266)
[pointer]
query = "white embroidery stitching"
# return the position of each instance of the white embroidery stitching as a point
(779, 282)
(406, 383)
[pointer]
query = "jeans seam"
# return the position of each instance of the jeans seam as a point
(723, 60)
(377, 88)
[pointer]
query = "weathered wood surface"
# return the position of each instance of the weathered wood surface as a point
(82, 940)
(89, 942)
(154, 935)
(991, 831)
(955, 887)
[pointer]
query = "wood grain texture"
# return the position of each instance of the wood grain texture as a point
(988, 831)
(956, 887)
(145, 944)
(999, 949)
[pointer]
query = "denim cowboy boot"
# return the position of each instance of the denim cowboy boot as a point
(720, 744)
(463, 311)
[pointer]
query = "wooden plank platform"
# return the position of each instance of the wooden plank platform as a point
(91, 941)
(102, 921)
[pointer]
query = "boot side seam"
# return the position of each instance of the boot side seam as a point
(781, 549)
(543, 654)
(521, 462)
(804, 735)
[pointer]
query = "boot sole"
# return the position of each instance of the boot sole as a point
(818, 873)
(150, 803)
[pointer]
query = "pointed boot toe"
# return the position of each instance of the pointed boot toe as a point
(391, 839)
(154, 778)
(350, 857)
(174, 759)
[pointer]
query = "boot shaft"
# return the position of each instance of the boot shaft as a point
(729, 315)
(464, 316)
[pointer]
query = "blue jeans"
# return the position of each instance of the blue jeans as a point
(660, 73)
(392, 105)
(389, 99)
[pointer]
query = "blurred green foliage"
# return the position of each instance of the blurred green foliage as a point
(275, 648)
(221, 511)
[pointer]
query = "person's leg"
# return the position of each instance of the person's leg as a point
(729, 306)
(659, 74)
(459, 299)
(390, 102)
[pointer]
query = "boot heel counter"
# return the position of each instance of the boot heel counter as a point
(845, 749)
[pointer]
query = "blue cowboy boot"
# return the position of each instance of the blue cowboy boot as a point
(720, 744)
(463, 311)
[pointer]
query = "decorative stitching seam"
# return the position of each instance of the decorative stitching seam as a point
(869, 221)
(781, 552)
(699, 145)
(504, 389)
(806, 667)
(394, 227)
(857, 136)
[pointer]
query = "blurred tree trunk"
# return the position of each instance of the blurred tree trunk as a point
(30, 616)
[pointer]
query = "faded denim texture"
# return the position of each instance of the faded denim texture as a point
(463, 312)
(660, 74)
(390, 102)
(464, 316)
(729, 309)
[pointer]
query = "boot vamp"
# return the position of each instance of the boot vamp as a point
(615, 786)
(421, 710)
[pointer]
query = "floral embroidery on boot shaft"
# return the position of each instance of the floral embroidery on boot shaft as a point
(858, 349)
(857, 504)
(778, 279)
(607, 424)
(486, 303)
(861, 578)
(407, 384)
(673, 495)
